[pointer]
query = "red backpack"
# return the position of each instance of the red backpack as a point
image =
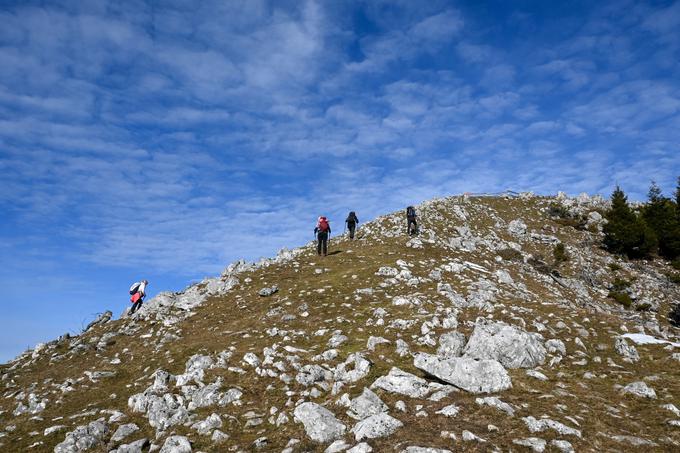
(323, 224)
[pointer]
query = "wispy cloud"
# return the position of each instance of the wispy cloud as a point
(177, 138)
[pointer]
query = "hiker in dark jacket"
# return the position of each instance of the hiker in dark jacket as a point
(138, 292)
(352, 221)
(322, 232)
(412, 225)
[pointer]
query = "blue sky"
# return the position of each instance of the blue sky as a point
(163, 142)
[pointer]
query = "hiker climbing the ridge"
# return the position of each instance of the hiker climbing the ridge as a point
(322, 232)
(351, 222)
(137, 293)
(412, 225)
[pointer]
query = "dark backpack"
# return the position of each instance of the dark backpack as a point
(410, 212)
(352, 217)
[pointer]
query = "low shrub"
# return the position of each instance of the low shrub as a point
(643, 307)
(620, 285)
(674, 277)
(614, 267)
(560, 253)
(622, 298)
(510, 254)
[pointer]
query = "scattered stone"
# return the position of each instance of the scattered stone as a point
(535, 443)
(451, 345)
(365, 405)
(398, 381)
(207, 426)
(509, 345)
(337, 446)
(562, 445)
(176, 444)
(536, 426)
(497, 403)
(475, 376)
(425, 450)
(537, 375)
(84, 437)
(124, 431)
(320, 423)
(355, 368)
(374, 341)
(640, 389)
(361, 447)
(266, 292)
(375, 426)
(450, 411)
(471, 437)
(137, 446)
(53, 429)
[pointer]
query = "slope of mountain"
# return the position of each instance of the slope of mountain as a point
(475, 335)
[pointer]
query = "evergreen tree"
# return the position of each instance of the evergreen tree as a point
(626, 233)
(660, 214)
(677, 198)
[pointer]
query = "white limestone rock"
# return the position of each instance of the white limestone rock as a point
(365, 405)
(398, 381)
(84, 437)
(639, 388)
(451, 345)
(176, 444)
(536, 444)
(320, 423)
(375, 426)
(497, 403)
(124, 431)
(625, 350)
(540, 425)
(509, 345)
(475, 376)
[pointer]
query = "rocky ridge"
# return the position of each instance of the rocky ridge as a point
(467, 337)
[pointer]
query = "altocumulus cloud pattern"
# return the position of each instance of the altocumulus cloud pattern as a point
(140, 139)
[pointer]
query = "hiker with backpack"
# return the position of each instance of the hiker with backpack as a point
(351, 222)
(322, 232)
(137, 295)
(411, 219)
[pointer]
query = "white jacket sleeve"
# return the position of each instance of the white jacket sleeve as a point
(142, 289)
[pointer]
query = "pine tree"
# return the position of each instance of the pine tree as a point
(626, 233)
(677, 198)
(660, 214)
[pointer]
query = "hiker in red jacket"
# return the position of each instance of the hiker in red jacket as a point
(138, 292)
(322, 232)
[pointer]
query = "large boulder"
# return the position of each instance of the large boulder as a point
(84, 438)
(365, 405)
(378, 425)
(320, 423)
(398, 381)
(451, 345)
(509, 345)
(475, 376)
(176, 444)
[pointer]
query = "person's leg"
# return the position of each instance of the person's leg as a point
(135, 306)
(325, 244)
(318, 244)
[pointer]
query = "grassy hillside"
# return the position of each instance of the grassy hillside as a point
(495, 271)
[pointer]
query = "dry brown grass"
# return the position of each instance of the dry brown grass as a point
(223, 322)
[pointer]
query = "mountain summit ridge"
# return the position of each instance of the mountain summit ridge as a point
(493, 329)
